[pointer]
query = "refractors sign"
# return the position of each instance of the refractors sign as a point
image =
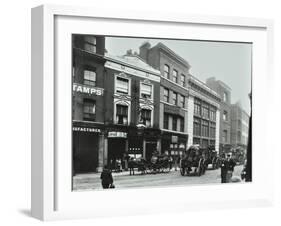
(93, 91)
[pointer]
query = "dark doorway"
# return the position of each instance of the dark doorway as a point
(116, 148)
(151, 146)
(85, 152)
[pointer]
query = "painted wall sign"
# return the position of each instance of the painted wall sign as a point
(86, 129)
(95, 91)
(117, 134)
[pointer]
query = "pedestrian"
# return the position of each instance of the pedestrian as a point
(227, 168)
(131, 166)
(106, 178)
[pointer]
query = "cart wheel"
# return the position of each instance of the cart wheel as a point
(182, 171)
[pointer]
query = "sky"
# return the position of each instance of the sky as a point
(228, 62)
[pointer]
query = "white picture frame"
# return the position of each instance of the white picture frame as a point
(52, 197)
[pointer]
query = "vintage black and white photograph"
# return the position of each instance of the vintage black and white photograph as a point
(150, 112)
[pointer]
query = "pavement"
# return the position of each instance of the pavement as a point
(84, 182)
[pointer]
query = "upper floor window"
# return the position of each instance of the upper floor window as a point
(146, 91)
(197, 127)
(225, 116)
(166, 71)
(146, 117)
(182, 100)
(90, 77)
(197, 107)
(213, 113)
(205, 128)
(205, 110)
(174, 123)
(212, 130)
(181, 124)
(183, 80)
(122, 85)
(166, 121)
(224, 136)
(175, 76)
(90, 43)
(89, 109)
(175, 98)
(166, 95)
(121, 114)
(224, 97)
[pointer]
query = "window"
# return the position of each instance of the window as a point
(239, 136)
(205, 128)
(181, 124)
(197, 127)
(197, 107)
(146, 117)
(175, 98)
(224, 136)
(183, 80)
(121, 114)
(89, 109)
(182, 100)
(90, 77)
(239, 124)
(166, 95)
(224, 116)
(212, 130)
(90, 44)
(166, 121)
(166, 71)
(146, 91)
(205, 110)
(212, 113)
(174, 124)
(175, 76)
(224, 97)
(122, 85)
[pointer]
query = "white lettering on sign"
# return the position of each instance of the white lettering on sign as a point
(87, 89)
(86, 129)
(117, 134)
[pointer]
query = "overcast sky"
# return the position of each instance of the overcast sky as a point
(228, 62)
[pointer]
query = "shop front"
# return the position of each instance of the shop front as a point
(86, 142)
(174, 144)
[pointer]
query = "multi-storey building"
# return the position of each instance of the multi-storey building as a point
(225, 108)
(203, 115)
(239, 127)
(115, 106)
(173, 95)
(88, 102)
(132, 103)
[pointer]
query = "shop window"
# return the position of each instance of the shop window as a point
(146, 117)
(175, 76)
(146, 91)
(166, 95)
(90, 77)
(166, 71)
(166, 121)
(121, 114)
(122, 85)
(89, 110)
(90, 44)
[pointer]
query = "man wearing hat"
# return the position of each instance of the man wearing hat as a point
(227, 168)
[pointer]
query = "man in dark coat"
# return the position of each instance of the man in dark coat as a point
(227, 168)
(106, 178)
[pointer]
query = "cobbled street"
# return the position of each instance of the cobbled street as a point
(124, 180)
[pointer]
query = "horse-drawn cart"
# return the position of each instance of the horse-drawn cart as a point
(192, 162)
